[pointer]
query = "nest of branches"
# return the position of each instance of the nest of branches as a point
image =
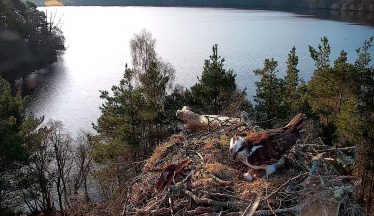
(312, 181)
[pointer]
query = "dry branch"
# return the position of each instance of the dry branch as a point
(253, 206)
(213, 203)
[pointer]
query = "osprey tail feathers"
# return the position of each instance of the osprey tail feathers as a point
(294, 123)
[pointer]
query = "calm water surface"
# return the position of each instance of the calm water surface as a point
(97, 41)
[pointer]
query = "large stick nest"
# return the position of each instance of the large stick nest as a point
(312, 181)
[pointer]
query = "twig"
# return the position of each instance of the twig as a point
(329, 148)
(247, 209)
(153, 205)
(224, 195)
(159, 212)
(185, 179)
(198, 211)
(171, 206)
(237, 126)
(271, 209)
(284, 184)
(201, 157)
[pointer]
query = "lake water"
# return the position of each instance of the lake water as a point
(97, 41)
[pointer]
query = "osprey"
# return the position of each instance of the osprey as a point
(265, 149)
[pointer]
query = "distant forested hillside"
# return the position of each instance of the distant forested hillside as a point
(362, 5)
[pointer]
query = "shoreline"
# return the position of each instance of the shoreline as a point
(354, 17)
(215, 7)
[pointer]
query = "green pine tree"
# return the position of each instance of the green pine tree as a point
(133, 119)
(269, 94)
(215, 87)
(321, 56)
(322, 87)
(12, 149)
(120, 120)
(293, 85)
(153, 85)
(365, 149)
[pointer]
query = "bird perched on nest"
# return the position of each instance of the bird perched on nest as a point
(170, 172)
(265, 149)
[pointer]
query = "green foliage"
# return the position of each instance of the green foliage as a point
(13, 153)
(321, 56)
(330, 86)
(363, 56)
(29, 39)
(11, 119)
(364, 79)
(294, 87)
(323, 86)
(339, 94)
(365, 149)
(349, 125)
(120, 121)
(269, 94)
(216, 85)
(153, 85)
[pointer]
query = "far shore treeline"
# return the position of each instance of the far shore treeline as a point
(348, 5)
(44, 171)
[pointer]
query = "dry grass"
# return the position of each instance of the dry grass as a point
(162, 150)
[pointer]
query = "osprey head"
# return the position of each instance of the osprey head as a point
(241, 147)
(236, 145)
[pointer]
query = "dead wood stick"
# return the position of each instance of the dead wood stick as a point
(326, 147)
(253, 206)
(153, 205)
(198, 211)
(210, 202)
(127, 191)
(294, 209)
(224, 195)
(220, 181)
(159, 212)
